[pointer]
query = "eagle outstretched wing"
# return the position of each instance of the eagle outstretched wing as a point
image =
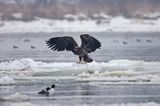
(62, 43)
(89, 43)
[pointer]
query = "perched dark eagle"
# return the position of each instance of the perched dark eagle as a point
(89, 44)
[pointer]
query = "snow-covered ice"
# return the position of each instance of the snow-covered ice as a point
(24, 104)
(7, 80)
(17, 97)
(109, 23)
(113, 71)
(22, 64)
(127, 104)
(78, 82)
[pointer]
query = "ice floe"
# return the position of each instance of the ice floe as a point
(17, 97)
(123, 104)
(7, 80)
(24, 104)
(112, 71)
(16, 64)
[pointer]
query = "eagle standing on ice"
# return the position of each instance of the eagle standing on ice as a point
(89, 44)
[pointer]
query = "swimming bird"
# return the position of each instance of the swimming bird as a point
(51, 91)
(45, 92)
(48, 91)
(26, 40)
(149, 41)
(124, 42)
(89, 44)
(33, 47)
(15, 47)
(138, 40)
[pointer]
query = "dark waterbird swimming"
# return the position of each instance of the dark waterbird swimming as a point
(89, 44)
(45, 92)
(48, 91)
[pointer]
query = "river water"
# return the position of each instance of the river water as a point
(144, 47)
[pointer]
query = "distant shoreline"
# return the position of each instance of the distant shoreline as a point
(113, 24)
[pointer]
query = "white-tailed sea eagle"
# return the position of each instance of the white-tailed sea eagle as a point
(89, 44)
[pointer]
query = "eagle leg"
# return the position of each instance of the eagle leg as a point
(81, 60)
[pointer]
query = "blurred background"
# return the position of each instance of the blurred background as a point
(127, 29)
(56, 9)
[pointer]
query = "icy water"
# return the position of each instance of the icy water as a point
(134, 46)
(126, 71)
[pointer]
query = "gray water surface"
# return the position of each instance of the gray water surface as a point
(115, 45)
(74, 93)
(132, 46)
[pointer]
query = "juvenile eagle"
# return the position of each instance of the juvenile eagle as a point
(89, 44)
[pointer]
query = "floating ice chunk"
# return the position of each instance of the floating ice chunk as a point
(126, 64)
(155, 78)
(128, 73)
(6, 80)
(24, 104)
(118, 104)
(18, 65)
(17, 97)
(84, 75)
(115, 76)
(119, 70)
(17, 15)
(136, 104)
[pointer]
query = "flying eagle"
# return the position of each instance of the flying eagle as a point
(89, 44)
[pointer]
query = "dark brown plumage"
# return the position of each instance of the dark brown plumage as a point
(89, 44)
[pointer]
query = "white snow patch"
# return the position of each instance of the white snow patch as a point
(17, 15)
(17, 97)
(112, 71)
(126, 64)
(116, 76)
(24, 104)
(152, 15)
(18, 65)
(6, 80)
(122, 104)
(76, 17)
(81, 23)
(101, 14)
